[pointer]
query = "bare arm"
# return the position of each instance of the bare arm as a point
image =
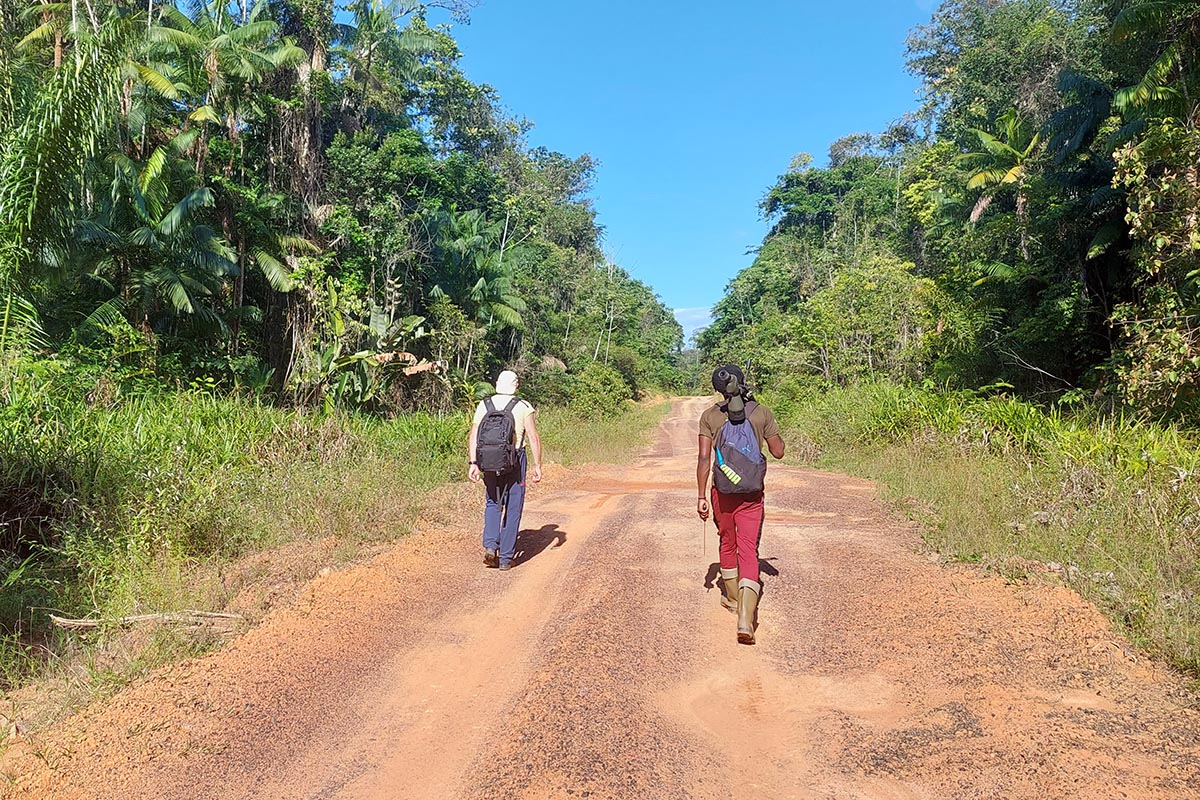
(473, 470)
(535, 444)
(775, 445)
(703, 468)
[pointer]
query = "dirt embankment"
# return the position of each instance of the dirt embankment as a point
(602, 666)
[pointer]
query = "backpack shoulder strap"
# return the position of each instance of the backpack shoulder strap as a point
(489, 405)
(719, 439)
(511, 404)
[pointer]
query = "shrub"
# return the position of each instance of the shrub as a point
(548, 386)
(600, 390)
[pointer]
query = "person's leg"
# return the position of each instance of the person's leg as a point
(748, 519)
(729, 549)
(514, 505)
(722, 507)
(492, 512)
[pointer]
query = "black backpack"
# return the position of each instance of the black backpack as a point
(494, 448)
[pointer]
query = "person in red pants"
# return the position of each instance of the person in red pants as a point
(732, 435)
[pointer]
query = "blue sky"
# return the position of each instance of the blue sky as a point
(693, 110)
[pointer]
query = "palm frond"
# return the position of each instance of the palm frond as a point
(153, 169)
(108, 316)
(987, 177)
(44, 158)
(1105, 238)
(38, 35)
(1069, 128)
(992, 144)
(205, 114)
(995, 271)
(1105, 197)
(183, 210)
(183, 140)
(287, 55)
(160, 83)
(278, 275)
(507, 315)
(92, 232)
(1142, 17)
(20, 324)
(1152, 88)
(298, 244)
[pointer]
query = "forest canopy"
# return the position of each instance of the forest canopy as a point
(305, 198)
(1034, 223)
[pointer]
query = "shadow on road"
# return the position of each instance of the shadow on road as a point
(714, 569)
(532, 542)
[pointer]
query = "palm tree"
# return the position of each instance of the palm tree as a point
(474, 275)
(225, 57)
(152, 242)
(1004, 160)
(57, 126)
(1168, 87)
(379, 57)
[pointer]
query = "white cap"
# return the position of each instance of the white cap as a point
(506, 382)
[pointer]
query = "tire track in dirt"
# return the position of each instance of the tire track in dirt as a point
(604, 667)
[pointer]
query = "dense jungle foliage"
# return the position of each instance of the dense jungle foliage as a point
(1035, 223)
(281, 195)
(256, 259)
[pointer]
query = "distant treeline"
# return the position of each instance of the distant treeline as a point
(1036, 222)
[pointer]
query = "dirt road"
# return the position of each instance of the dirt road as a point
(602, 666)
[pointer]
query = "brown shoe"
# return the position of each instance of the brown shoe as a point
(491, 558)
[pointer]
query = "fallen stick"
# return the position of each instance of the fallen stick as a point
(192, 618)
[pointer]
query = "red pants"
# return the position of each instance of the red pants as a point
(739, 519)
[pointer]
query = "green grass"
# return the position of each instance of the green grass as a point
(571, 438)
(1115, 503)
(118, 505)
(130, 505)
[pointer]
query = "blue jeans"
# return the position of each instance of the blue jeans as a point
(502, 514)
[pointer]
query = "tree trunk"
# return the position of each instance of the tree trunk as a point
(1023, 221)
(239, 289)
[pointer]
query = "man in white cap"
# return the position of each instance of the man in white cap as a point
(496, 446)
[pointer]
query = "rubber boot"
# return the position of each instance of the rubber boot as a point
(747, 604)
(729, 578)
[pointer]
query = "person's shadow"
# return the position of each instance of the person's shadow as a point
(530, 543)
(714, 569)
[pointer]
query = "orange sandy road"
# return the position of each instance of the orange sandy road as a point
(602, 666)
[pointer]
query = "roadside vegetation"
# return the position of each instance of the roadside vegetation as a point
(991, 306)
(1110, 504)
(128, 506)
(116, 506)
(571, 438)
(257, 262)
